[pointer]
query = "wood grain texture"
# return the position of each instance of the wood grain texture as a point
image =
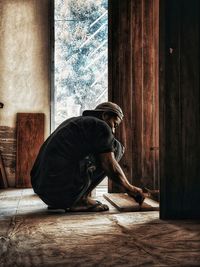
(137, 98)
(133, 84)
(8, 152)
(120, 52)
(190, 100)
(30, 136)
(125, 203)
(148, 94)
(31, 236)
(3, 177)
(179, 109)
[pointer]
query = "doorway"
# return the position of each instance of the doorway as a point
(80, 60)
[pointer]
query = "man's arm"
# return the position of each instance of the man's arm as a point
(116, 174)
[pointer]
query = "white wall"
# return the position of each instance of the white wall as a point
(24, 69)
(24, 59)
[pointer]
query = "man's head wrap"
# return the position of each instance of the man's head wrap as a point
(105, 107)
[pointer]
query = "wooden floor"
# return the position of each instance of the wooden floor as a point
(32, 236)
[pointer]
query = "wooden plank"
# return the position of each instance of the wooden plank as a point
(123, 202)
(8, 152)
(155, 148)
(3, 177)
(147, 94)
(30, 136)
(120, 76)
(137, 88)
(162, 104)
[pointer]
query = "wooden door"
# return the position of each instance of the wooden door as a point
(180, 109)
(30, 136)
(133, 84)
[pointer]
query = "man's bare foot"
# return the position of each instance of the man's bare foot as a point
(88, 204)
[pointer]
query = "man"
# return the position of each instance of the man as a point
(77, 156)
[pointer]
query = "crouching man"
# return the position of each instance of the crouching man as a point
(77, 156)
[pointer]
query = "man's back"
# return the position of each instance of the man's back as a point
(56, 169)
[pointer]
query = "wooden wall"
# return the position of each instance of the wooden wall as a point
(180, 108)
(133, 84)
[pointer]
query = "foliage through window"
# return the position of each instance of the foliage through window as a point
(81, 28)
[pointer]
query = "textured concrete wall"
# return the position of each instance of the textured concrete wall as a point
(24, 69)
(24, 54)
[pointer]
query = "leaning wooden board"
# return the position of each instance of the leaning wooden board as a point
(3, 177)
(123, 202)
(30, 136)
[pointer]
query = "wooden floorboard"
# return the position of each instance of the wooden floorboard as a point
(32, 236)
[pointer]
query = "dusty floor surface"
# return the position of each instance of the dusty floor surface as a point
(32, 236)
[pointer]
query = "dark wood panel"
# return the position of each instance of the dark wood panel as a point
(150, 139)
(120, 76)
(172, 108)
(148, 96)
(190, 104)
(137, 81)
(162, 104)
(30, 136)
(155, 148)
(179, 110)
(133, 84)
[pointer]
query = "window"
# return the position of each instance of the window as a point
(81, 60)
(81, 75)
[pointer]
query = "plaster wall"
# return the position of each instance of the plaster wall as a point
(24, 64)
(24, 70)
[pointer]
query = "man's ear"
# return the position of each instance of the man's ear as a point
(105, 116)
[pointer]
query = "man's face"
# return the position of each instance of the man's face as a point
(113, 122)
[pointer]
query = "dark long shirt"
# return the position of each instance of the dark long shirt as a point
(56, 171)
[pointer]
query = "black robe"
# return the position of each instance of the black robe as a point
(56, 176)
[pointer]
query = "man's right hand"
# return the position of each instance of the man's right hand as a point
(116, 174)
(137, 194)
